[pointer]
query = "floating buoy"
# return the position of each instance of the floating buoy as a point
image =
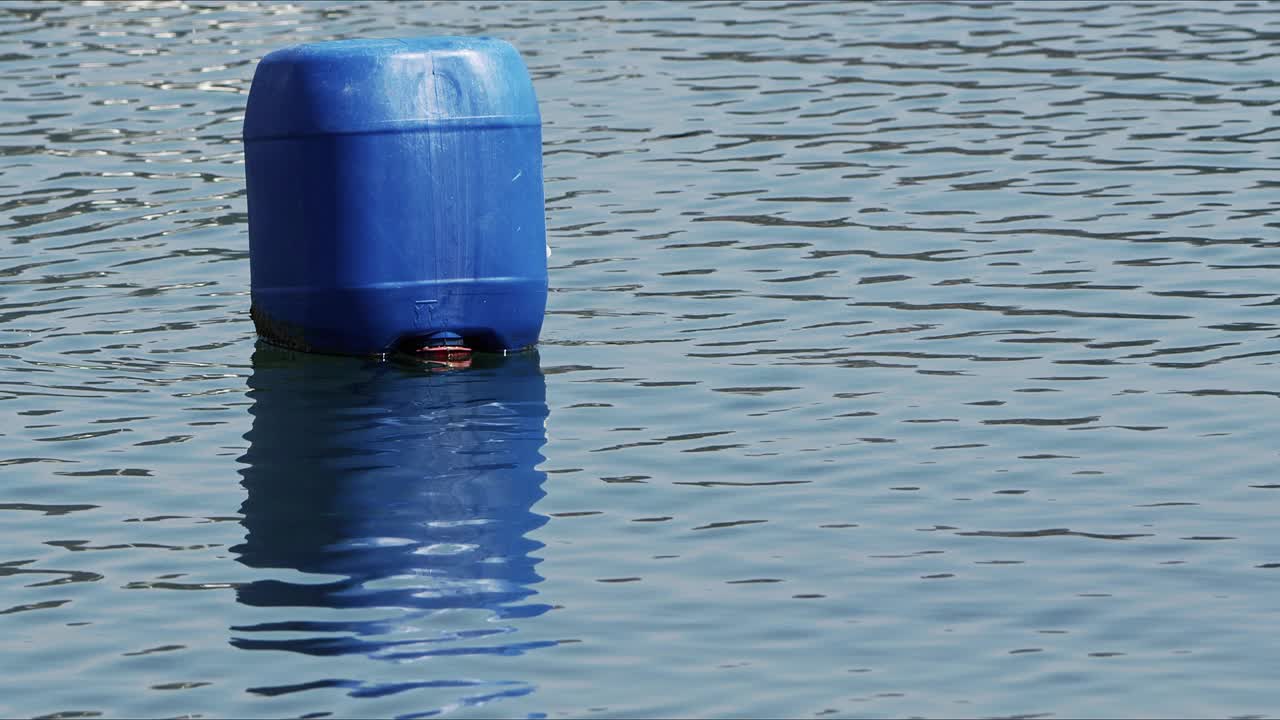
(395, 197)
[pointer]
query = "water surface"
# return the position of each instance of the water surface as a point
(902, 359)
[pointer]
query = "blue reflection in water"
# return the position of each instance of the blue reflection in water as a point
(414, 488)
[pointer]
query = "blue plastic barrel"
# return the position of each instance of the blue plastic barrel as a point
(395, 196)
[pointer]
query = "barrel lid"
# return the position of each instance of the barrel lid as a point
(354, 86)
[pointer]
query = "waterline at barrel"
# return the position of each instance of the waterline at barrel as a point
(395, 196)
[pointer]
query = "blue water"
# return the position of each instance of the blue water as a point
(902, 359)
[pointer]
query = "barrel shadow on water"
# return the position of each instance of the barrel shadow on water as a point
(399, 490)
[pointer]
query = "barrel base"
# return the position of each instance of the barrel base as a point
(493, 315)
(281, 334)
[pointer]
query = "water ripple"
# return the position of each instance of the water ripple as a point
(868, 323)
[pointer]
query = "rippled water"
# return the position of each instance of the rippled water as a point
(902, 359)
